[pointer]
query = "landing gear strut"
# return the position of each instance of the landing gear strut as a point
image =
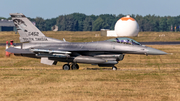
(114, 68)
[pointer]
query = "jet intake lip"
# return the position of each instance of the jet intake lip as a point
(153, 51)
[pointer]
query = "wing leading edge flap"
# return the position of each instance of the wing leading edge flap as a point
(18, 51)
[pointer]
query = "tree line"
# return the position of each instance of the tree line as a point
(82, 22)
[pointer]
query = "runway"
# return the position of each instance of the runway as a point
(143, 43)
(160, 43)
(4, 44)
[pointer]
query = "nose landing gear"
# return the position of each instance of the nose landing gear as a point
(114, 68)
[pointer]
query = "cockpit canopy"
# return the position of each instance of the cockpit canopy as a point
(124, 41)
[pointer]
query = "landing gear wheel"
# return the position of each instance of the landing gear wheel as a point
(114, 68)
(74, 66)
(66, 67)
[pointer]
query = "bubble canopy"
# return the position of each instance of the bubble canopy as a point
(124, 41)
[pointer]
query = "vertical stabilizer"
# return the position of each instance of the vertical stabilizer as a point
(28, 32)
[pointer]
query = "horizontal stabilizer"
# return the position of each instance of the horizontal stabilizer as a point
(18, 51)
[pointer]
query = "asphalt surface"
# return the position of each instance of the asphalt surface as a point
(160, 43)
(143, 43)
(4, 44)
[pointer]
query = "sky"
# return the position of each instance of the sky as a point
(53, 8)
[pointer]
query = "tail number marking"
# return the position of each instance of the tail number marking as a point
(33, 34)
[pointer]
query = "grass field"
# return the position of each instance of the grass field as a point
(138, 77)
(89, 85)
(88, 36)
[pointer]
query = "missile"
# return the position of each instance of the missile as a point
(53, 55)
(49, 51)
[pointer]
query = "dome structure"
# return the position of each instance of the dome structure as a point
(126, 26)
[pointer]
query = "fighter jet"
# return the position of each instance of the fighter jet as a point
(102, 53)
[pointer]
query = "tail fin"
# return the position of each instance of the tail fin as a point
(28, 32)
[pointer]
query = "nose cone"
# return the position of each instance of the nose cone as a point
(152, 51)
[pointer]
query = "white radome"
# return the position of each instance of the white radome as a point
(126, 26)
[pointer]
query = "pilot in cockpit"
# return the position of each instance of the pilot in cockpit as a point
(128, 41)
(125, 41)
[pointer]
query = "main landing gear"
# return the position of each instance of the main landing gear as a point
(74, 66)
(66, 67)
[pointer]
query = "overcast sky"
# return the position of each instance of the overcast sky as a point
(54, 8)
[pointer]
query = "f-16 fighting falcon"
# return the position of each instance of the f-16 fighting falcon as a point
(102, 53)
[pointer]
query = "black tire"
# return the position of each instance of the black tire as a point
(114, 68)
(74, 67)
(66, 67)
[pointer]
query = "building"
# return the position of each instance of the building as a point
(7, 25)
